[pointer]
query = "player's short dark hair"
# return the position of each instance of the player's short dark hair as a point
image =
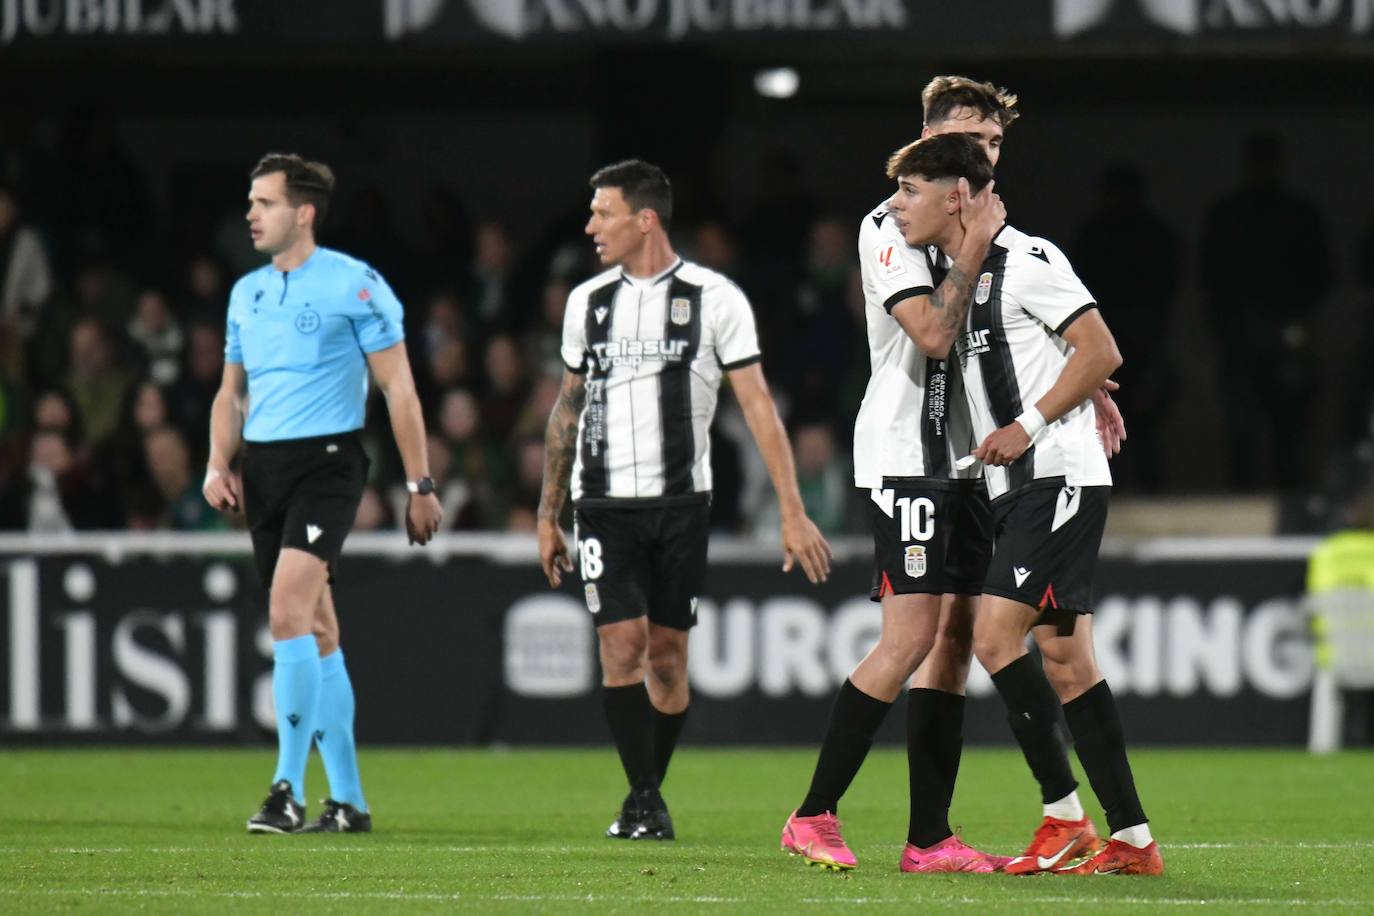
(944, 94)
(643, 185)
(307, 182)
(943, 156)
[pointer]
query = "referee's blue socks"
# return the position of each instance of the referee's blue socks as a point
(296, 692)
(334, 732)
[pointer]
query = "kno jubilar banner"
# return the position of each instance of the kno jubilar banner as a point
(1026, 25)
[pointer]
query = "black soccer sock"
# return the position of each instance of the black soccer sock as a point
(630, 715)
(1095, 725)
(667, 729)
(934, 746)
(853, 722)
(1033, 711)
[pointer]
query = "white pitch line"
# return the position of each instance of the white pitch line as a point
(292, 846)
(617, 898)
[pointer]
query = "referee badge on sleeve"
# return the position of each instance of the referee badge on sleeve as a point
(916, 561)
(681, 311)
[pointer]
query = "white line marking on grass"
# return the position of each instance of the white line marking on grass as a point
(495, 848)
(423, 896)
(291, 846)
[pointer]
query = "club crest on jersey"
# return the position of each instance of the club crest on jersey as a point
(889, 261)
(984, 291)
(680, 312)
(916, 561)
(593, 598)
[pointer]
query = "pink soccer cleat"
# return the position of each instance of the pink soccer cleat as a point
(818, 841)
(951, 855)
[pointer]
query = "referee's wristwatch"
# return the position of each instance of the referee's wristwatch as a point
(424, 486)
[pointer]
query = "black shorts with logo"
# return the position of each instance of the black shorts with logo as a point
(1047, 540)
(930, 536)
(302, 493)
(638, 561)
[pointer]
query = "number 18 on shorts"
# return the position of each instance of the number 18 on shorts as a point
(643, 561)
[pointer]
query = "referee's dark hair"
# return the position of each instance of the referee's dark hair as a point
(643, 185)
(306, 182)
(943, 156)
(944, 94)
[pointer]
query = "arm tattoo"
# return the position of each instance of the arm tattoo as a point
(952, 298)
(560, 445)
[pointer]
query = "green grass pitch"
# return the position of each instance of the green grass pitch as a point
(105, 831)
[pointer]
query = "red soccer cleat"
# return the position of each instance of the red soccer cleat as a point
(1119, 859)
(1056, 843)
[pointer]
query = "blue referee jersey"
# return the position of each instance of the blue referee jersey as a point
(303, 337)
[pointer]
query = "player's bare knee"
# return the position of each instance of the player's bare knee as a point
(994, 647)
(623, 654)
(326, 637)
(288, 614)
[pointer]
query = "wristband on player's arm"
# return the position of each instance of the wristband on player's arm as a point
(1032, 421)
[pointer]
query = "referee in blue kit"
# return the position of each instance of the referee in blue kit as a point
(302, 333)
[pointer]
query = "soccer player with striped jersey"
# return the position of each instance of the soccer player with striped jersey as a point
(1033, 350)
(645, 346)
(931, 530)
(302, 333)
(931, 521)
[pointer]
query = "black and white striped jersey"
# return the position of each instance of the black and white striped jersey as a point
(914, 420)
(1013, 351)
(654, 351)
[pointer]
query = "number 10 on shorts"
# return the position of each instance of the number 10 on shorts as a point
(916, 515)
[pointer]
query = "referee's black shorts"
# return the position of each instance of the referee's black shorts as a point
(302, 493)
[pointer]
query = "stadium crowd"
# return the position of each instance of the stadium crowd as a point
(110, 355)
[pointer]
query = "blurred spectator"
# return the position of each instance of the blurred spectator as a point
(544, 340)
(98, 291)
(529, 483)
(443, 323)
(157, 335)
(821, 337)
(473, 459)
(1266, 269)
(492, 267)
(26, 279)
(122, 458)
(534, 416)
(506, 388)
(193, 395)
(97, 384)
(206, 297)
(716, 249)
(55, 410)
(822, 479)
(169, 466)
(457, 494)
(450, 366)
(1120, 234)
(55, 494)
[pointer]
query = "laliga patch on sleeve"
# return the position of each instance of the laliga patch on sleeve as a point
(889, 261)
